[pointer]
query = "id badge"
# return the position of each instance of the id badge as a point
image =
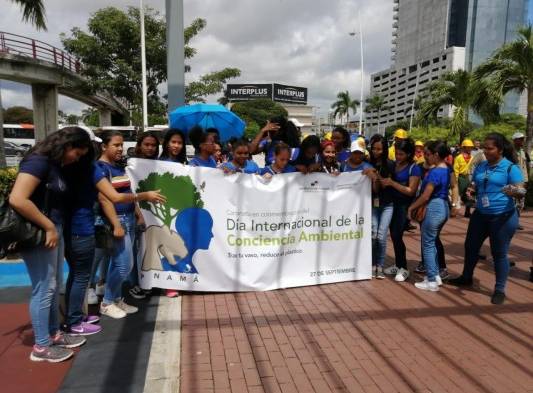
(376, 202)
(485, 201)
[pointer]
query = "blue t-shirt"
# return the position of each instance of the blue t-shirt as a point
(269, 147)
(343, 155)
(120, 182)
(198, 161)
(50, 176)
(84, 197)
(440, 178)
(345, 167)
(489, 182)
(402, 177)
(268, 169)
(249, 167)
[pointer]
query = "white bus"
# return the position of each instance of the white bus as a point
(20, 134)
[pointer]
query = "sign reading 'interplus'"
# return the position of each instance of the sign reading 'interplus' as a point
(275, 91)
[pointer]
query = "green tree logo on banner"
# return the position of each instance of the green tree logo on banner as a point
(180, 192)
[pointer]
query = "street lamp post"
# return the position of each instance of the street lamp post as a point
(362, 104)
(175, 54)
(143, 66)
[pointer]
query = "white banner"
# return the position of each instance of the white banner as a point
(244, 233)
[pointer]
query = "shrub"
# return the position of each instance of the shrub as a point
(7, 179)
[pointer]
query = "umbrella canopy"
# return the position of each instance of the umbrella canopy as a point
(206, 116)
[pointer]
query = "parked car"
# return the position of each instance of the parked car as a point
(14, 150)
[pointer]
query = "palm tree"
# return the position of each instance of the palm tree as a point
(33, 12)
(464, 92)
(377, 104)
(510, 68)
(343, 105)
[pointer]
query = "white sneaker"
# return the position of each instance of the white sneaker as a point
(428, 285)
(391, 270)
(437, 279)
(126, 307)
(401, 275)
(100, 289)
(91, 296)
(112, 310)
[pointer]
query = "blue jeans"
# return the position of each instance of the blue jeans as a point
(381, 219)
(121, 261)
(80, 257)
(397, 228)
(436, 216)
(500, 229)
(134, 275)
(45, 269)
(101, 261)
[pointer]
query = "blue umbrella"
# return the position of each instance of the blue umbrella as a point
(206, 116)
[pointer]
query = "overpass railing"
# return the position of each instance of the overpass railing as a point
(24, 46)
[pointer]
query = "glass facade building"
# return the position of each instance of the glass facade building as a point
(493, 23)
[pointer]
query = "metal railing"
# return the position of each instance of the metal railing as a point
(25, 46)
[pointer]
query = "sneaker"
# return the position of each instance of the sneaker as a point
(391, 270)
(112, 310)
(497, 297)
(401, 275)
(421, 268)
(374, 271)
(427, 285)
(461, 281)
(137, 293)
(438, 280)
(91, 296)
(84, 329)
(65, 340)
(443, 273)
(380, 275)
(172, 293)
(100, 289)
(52, 354)
(91, 319)
(128, 309)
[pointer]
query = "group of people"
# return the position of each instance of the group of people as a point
(74, 186)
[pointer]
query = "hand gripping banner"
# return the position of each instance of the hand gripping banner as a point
(242, 232)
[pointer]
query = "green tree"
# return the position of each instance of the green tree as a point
(376, 104)
(255, 114)
(180, 192)
(343, 105)
(18, 114)
(464, 92)
(111, 57)
(33, 12)
(90, 117)
(510, 68)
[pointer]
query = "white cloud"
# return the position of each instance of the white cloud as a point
(298, 42)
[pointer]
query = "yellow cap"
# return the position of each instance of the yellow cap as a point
(419, 143)
(327, 136)
(467, 143)
(401, 134)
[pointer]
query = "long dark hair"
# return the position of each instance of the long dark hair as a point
(503, 144)
(55, 145)
(439, 147)
(382, 163)
(408, 147)
(182, 156)
(142, 137)
(309, 142)
(287, 133)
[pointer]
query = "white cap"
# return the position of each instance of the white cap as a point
(295, 121)
(92, 137)
(356, 147)
(518, 135)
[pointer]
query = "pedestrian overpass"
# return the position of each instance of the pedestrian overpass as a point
(50, 71)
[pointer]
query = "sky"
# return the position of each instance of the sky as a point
(294, 42)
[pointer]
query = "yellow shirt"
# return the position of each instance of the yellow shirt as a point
(392, 153)
(461, 165)
(419, 160)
